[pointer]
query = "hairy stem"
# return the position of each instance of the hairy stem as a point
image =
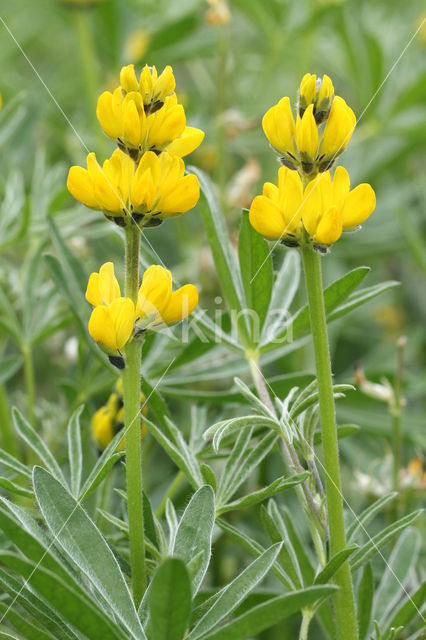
(306, 621)
(344, 599)
(132, 402)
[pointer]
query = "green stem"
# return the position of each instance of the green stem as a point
(170, 493)
(306, 621)
(344, 599)
(8, 439)
(396, 410)
(132, 402)
(29, 382)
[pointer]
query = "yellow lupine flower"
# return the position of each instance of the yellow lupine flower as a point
(136, 129)
(331, 207)
(157, 188)
(280, 129)
(102, 427)
(307, 138)
(157, 304)
(326, 207)
(103, 287)
(105, 188)
(153, 88)
(112, 325)
(277, 213)
(318, 92)
(160, 187)
(338, 131)
(108, 420)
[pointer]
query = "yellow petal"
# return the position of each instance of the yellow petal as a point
(128, 78)
(109, 289)
(278, 125)
(312, 205)
(266, 218)
(80, 186)
(307, 134)
(339, 128)
(122, 311)
(190, 139)
(146, 84)
(329, 227)
(166, 124)
(290, 198)
(308, 89)
(154, 292)
(271, 191)
(101, 328)
(181, 304)
(341, 186)
(165, 84)
(131, 132)
(106, 116)
(325, 93)
(93, 295)
(358, 206)
(182, 198)
(102, 428)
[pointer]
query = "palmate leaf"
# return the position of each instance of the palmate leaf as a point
(9, 365)
(170, 600)
(334, 564)
(195, 530)
(368, 514)
(23, 623)
(266, 615)
(365, 601)
(408, 611)
(228, 599)
(83, 544)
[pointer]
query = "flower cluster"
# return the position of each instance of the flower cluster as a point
(308, 204)
(108, 420)
(116, 319)
(144, 180)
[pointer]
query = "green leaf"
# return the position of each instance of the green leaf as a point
(222, 251)
(408, 611)
(283, 292)
(32, 438)
(365, 601)
(23, 623)
(170, 600)
(368, 514)
(233, 594)
(30, 539)
(9, 461)
(402, 559)
(185, 463)
(297, 543)
(78, 609)
(9, 365)
(269, 613)
(103, 465)
(334, 564)
(374, 544)
(334, 295)
(279, 485)
(75, 453)
(256, 273)
(241, 469)
(359, 298)
(84, 544)
(13, 487)
(195, 530)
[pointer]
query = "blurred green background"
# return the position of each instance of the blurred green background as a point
(232, 61)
